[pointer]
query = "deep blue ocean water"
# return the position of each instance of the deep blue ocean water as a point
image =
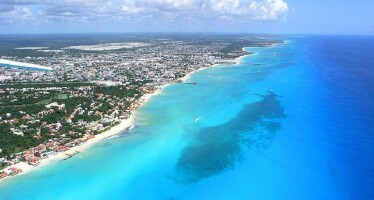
(292, 121)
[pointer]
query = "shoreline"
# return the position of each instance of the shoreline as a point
(117, 129)
(236, 61)
(26, 168)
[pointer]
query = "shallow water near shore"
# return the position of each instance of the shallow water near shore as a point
(292, 121)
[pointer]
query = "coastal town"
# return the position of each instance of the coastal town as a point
(90, 90)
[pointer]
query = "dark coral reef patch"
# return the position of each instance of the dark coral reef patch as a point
(214, 149)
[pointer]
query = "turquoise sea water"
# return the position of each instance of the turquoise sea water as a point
(292, 121)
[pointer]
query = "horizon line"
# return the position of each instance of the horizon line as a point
(188, 32)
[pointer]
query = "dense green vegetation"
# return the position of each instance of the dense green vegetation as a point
(45, 85)
(22, 99)
(16, 111)
(31, 102)
(11, 143)
(117, 91)
(236, 46)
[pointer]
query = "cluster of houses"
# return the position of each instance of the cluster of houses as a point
(34, 155)
(61, 142)
(10, 172)
(160, 61)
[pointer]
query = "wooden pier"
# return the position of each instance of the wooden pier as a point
(190, 83)
(71, 155)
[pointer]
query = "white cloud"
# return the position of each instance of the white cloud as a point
(252, 9)
(167, 10)
(16, 15)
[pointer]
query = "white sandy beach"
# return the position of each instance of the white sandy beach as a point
(188, 75)
(237, 60)
(123, 125)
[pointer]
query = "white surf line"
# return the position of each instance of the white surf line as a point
(22, 64)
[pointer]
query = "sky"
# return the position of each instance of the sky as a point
(236, 16)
